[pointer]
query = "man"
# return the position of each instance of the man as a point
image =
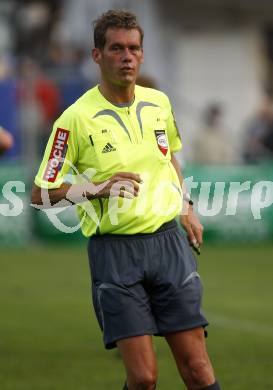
(144, 275)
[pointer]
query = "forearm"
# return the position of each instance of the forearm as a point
(74, 193)
(122, 184)
(186, 205)
(178, 170)
(188, 219)
(39, 195)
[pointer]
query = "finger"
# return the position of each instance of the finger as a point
(122, 194)
(191, 237)
(194, 243)
(123, 187)
(128, 185)
(198, 233)
(127, 195)
(133, 185)
(136, 192)
(129, 175)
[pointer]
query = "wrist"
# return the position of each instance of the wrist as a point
(93, 191)
(187, 198)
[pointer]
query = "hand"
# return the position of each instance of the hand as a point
(6, 140)
(122, 184)
(192, 226)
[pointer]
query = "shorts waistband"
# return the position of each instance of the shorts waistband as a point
(170, 225)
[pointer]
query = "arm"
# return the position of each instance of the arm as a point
(123, 184)
(188, 219)
(55, 195)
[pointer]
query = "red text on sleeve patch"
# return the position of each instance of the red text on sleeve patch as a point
(57, 154)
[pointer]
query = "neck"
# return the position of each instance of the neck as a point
(116, 93)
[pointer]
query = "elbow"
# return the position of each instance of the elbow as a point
(35, 195)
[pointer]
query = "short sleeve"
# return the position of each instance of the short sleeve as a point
(61, 152)
(172, 131)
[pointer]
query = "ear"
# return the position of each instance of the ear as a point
(96, 55)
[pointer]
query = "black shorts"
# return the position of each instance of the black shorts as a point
(144, 284)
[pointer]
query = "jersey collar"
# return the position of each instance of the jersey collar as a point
(117, 107)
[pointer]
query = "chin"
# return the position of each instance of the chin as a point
(128, 80)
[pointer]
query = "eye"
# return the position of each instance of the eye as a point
(116, 48)
(135, 49)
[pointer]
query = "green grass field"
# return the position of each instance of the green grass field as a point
(49, 338)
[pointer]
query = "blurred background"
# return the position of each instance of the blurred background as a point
(214, 59)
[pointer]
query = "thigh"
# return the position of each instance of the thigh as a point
(186, 343)
(138, 357)
(122, 312)
(189, 347)
(177, 294)
(121, 303)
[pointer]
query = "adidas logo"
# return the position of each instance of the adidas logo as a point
(108, 148)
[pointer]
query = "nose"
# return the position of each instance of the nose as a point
(126, 55)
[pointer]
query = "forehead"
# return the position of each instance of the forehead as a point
(122, 36)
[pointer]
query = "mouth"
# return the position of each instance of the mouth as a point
(127, 69)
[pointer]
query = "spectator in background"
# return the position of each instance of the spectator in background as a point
(9, 108)
(258, 145)
(268, 141)
(34, 21)
(64, 65)
(6, 140)
(40, 101)
(211, 145)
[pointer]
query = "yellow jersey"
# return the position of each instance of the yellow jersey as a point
(96, 139)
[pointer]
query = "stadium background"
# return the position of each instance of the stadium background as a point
(203, 54)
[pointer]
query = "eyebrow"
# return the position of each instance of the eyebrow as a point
(116, 44)
(122, 44)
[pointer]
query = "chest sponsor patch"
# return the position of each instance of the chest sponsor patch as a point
(57, 154)
(162, 141)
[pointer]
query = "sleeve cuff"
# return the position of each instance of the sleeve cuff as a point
(46, 184)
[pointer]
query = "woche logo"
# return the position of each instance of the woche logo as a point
(57, 155)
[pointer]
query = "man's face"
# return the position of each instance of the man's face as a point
(121, 57)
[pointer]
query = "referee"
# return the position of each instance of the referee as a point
(144, 277)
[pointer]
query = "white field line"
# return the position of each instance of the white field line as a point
(225, 322)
